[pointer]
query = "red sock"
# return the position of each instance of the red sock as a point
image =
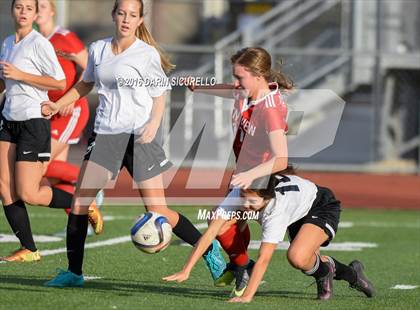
(246, 236)
(232, 242)
(69, 188)
(62, 171)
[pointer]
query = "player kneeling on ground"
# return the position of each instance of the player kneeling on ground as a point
(309, 212)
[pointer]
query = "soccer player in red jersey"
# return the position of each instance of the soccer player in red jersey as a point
(260, 144)
(67, 126)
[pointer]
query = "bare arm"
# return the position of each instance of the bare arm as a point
(2, 86)
(278, 162)
(219, 90)
(260, 267)
(39, 81)
(80, 59)
(198, 251)
(79, 90)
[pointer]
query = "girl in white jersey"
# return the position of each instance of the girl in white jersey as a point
(128, 73)
(28, 69)
(309, 213)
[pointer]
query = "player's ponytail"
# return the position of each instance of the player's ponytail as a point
(265, 186)
(258, 61)
(143, 34)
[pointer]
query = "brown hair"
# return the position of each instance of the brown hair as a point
(258, 61)
(143, 34)
(265, 187)
(36, 5)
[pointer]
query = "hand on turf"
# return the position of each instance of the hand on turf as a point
(66, 111)
(242, 180)
(148, 132)
(242, 299)
(49, 109)
(178, 277)
(11, 72)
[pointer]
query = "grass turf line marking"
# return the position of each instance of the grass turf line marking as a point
(4, 238)
(404, 287)
(91, 245)
(90, 278)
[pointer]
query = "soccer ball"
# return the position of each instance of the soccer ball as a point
(151, 233)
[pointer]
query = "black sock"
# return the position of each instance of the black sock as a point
(319, 270)
(344, 272)
(186, 231)
(18, 219)
(60, 199)
(76, 236)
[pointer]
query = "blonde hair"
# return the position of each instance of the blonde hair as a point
(143, 34)
(258, 61)
(53, 4)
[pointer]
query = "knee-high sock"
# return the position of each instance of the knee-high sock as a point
(342, 271)
(68, 188)
(233, 242)
(186, 231)
(76, 236)
(18, 219)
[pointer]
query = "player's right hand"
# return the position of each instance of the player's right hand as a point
(49, 109)
(178, 277)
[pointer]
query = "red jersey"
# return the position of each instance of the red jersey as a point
(252, 122)
(68, 42)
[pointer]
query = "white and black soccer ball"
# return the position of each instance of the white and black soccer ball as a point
(151, 233)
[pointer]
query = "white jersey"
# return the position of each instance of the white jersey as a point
(294, 199)
(126, 85)
(34, 54)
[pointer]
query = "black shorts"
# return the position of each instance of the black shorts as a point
(324, 213)
(113, 152)
(32, 138)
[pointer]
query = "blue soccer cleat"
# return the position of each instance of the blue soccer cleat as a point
(215, 261)
(66, 279)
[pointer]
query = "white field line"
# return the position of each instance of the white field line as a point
(91, 245)
(404, 287)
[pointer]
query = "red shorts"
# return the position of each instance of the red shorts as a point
(68, 129)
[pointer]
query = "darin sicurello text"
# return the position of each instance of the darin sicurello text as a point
(164, 82)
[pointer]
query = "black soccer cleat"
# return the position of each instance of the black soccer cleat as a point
(362, 283)
(242, 275)
(324, 285)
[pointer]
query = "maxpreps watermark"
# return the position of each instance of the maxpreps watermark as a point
(165, 82)
(209, 215)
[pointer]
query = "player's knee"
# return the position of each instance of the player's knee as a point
(298, 258)
(28, 196)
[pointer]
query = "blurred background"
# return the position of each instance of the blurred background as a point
(367, 52)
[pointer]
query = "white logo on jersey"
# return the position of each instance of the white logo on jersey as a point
(150, 168)
(27, 152)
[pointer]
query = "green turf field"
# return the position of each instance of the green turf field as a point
(129, 279)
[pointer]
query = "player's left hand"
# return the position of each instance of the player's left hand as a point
(178, 277)
(11, 72)
(148, 133)
(242, 180)
(243, 300)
